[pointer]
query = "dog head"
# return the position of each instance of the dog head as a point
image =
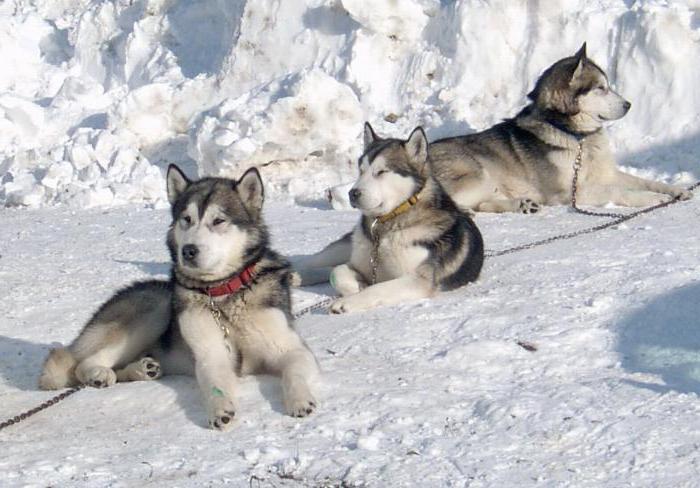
(391, 172)
(577, 92)
(217, 226)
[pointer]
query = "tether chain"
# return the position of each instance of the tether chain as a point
(48, 403)
(618, 218)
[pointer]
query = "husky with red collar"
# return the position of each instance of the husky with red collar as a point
(226, 311)
(411, 242)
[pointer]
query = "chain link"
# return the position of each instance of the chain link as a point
(48, 403)
(618, 218)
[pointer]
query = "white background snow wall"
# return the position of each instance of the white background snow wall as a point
(97, 97)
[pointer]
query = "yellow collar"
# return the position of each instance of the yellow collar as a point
(404, 207)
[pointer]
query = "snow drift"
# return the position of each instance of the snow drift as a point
(96, 98)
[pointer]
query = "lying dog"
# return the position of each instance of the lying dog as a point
(527, 161)
(411, 241)
(226, 309)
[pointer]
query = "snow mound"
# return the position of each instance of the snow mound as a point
(96, 98)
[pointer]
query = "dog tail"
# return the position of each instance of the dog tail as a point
(59, 370)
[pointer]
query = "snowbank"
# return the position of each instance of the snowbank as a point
(96, 98)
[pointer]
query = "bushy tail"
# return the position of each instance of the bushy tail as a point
(59, 370)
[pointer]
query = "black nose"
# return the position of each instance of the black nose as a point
(354, 195)
(627, 105)
(189, 252)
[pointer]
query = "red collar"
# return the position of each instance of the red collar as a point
(244, 278)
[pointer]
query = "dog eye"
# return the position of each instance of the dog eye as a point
(381, 172)
(217, 221)
(187, 219)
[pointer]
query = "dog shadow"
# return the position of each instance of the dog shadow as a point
(21, 362)
(663, 338)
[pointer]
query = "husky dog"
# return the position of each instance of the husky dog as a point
(527, 161)
(225, 311)
(411, 240)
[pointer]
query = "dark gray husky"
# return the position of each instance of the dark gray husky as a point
(527, 161)
(225, 311)
(411, 241)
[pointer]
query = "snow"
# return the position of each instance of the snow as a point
(108, 93)
(436, 392)
(572, 364)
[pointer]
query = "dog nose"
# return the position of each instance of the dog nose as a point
(627, 105)
(189, 252)
(354, 195)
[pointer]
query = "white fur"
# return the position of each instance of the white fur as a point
(220, 246)
(382, 190)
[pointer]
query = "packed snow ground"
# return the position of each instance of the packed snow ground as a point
(431, 393)
(97, 97)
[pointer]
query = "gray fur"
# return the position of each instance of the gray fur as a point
(169, 327)
(431, 247)
(527, 161)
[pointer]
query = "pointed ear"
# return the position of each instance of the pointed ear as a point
(581, 58)
(370, 137)
(250, 188)
(417, 147)
(176, 183)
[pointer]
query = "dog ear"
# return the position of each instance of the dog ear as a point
(370, 137)
(581, 58)
(417, 147)
(176, 183)
(250, 188)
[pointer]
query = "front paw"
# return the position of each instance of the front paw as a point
(350, 304)
(222, 413)
(299, 403)
(683, 195)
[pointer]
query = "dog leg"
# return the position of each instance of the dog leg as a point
(316, 268)
(346, 280)
(600, 195)
(408, 287)
(520, 205)
(145, 369)
(632, 182)
(214, 365)
(298, 367)
(286, 354)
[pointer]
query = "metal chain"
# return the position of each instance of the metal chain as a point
(48, 403)
(578, 162)
(618, 218)
(374, 253)
(320, 305)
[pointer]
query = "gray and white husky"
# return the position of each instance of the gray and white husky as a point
(224, 312)
(411, 241)
(527, 161)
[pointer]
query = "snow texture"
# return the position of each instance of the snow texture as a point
(97, 97)
(573, 364)
(431, 393)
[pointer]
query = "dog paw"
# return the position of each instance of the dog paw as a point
(683, 195)
(100, 377)
(222, 413)
(528, 206)
(339, 306)
(146, 369)
(299, 405)
(222, 420)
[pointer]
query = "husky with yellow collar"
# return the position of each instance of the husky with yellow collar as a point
(411, 241)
